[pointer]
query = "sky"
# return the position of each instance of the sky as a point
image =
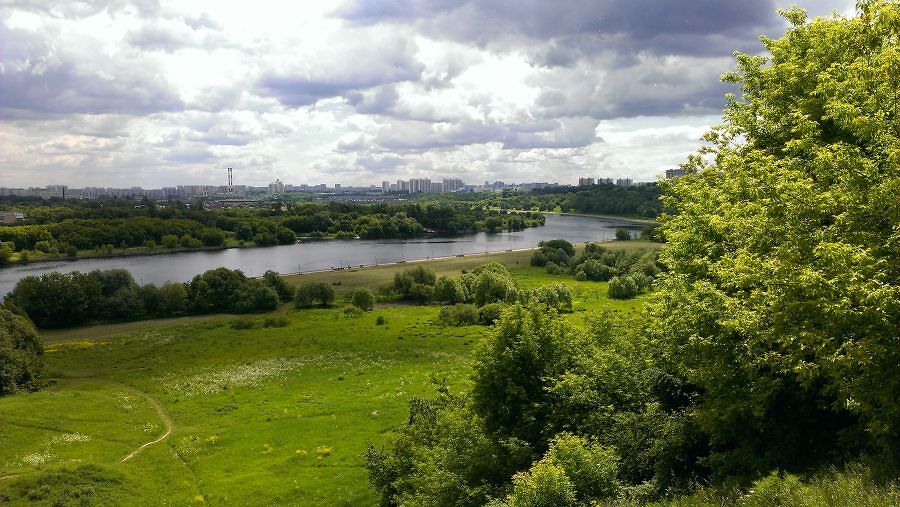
(155, 93)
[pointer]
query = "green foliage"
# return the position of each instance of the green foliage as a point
(255, 296)
(364, 299)
(85, 485)
(57, 299)
(781, 304)
(491, 283)
(557, 251)
(590, 467)
(558, 244)
(169, 241)
(622, 287)
(173, 298)
(112, 280)
(622, 234)
(416, 283)
(21, 354)
(284, 290)
(215, 290)
(380, 321)
(490, 313)
(5, 254)
(72, 251)
(544, 485)
(458, 315)
(528, 346)
(188, 241)
(441, 456)
(126, 304)
(308, 293)
(212, 237)
(557, 296)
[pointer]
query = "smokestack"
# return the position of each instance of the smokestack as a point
(230, 182)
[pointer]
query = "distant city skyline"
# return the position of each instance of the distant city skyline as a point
(149, 93)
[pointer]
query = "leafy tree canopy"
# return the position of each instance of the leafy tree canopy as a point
(783, 299)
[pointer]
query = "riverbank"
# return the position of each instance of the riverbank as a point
(344, 282)
(130, 252)
(643, 221)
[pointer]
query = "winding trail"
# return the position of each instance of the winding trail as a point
(167, 421)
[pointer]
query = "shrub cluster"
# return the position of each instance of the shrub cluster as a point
(67, 299)
(21, 353)
(310, 293)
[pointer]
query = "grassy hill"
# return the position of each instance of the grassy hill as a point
(276, 415)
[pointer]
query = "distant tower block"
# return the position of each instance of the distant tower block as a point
(230, 182)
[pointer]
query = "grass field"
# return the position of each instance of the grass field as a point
(258, 417)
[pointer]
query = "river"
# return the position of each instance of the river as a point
(327, 254)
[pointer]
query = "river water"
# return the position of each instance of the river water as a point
(327, 254)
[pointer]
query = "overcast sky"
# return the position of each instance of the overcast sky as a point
(155, 93)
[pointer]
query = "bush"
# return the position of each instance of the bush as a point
(622, 287)
(363, 299)
(111, 280)
(284, 290)
(151, 296)
(71, 251)
(544, 485)
(276, 322)
(557, 296)
(458, 315)
(408, 283)
(21, 353)
(538, 259)
(173, 298)
(126, 304)
(212, 237)
(255, 296)
(591, 467)
(188, 241)
(170, 241)
(380, 321)
(450, 290)
(5, 254)
(57, 299)
(216, 290)
(243, 323)
(553, 268)
(308, 293)
(622, 234)
(490, 313)
(558, 244)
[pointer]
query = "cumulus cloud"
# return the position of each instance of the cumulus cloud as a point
(358, 64)
(158, 92)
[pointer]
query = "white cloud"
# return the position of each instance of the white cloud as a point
(153, 93)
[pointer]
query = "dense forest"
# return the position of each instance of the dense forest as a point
(768, 347)
(58, 227)
(604, 199)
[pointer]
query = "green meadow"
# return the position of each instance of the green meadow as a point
(195, 411)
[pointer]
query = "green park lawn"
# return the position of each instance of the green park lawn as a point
(258, 416)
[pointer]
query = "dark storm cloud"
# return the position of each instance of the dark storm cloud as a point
(42, 78)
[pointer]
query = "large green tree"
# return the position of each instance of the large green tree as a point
(21, 353)
(782, 302)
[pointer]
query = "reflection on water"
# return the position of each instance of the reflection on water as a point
(319, 255)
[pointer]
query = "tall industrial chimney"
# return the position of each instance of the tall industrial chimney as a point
(230, 182)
